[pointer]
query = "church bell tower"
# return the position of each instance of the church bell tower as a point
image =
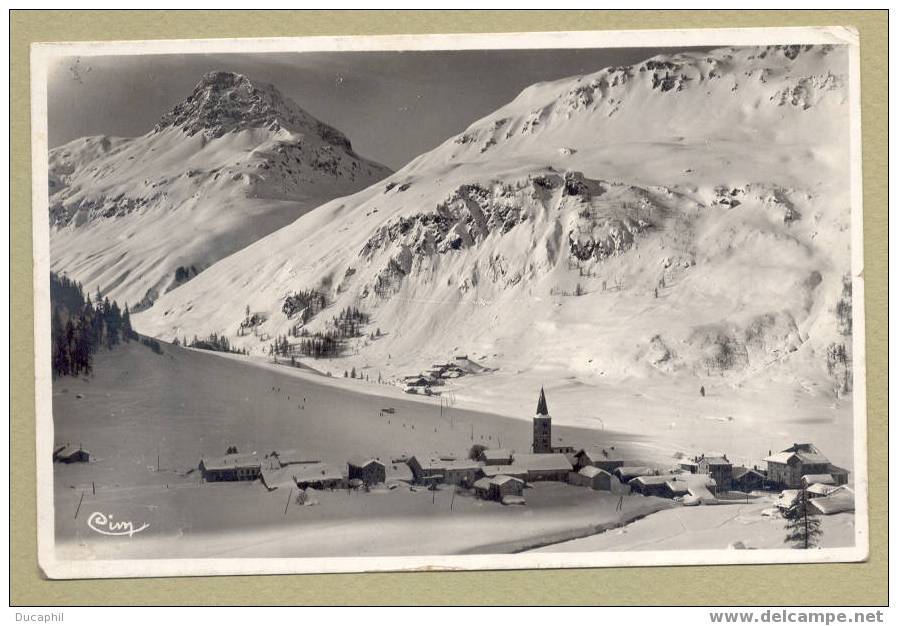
(542, 426)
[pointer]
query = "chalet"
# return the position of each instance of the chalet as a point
(430, 469)
(658, 486)
(230, 467)
(71, 454)
(748, 479)
(676, 487)
(369, 471)
(785, 469)
(719, 468)
(604, 458)
(626, 473)
(592, 477)
(496, 457)
(318, 476)
(498, 487)
(542, 466)
(481, 487)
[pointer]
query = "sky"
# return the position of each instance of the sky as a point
(393, 106)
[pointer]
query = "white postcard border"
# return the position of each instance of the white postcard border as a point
(42, 54)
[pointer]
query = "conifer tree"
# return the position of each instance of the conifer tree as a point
(802, 527)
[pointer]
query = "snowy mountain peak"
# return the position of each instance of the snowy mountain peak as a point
(225, 102)
(237, 157)
(682, 216)
(661, 97)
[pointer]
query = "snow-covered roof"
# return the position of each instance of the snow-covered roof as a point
(286, 457)
(591, 472)
(232, 461)
(363, 461)
(541, 462)
(503, 479)
(821, 489)
(740, 471)
(678, 486)
(274, 478)
(434, 463)
(822, 479)
(398, 471)
(499, 470)
(311, 472)
(601, 454)
(806, 453)
(836, 502)
(482, 483)
(655, 480)
(787, 498)
(496, 454)
(631, 471)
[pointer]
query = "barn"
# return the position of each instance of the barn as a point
(498, 456)
(627, 473)
(454, 472)
(370, 471)
(658, 486)
(748, 479)
(591, 477)
(230, 467)
(498, 487)
(606, 458)
(552, 466)
(318, 476)
(719, 468)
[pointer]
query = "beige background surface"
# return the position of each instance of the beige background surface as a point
(861, 583)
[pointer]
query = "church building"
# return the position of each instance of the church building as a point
(542, 430)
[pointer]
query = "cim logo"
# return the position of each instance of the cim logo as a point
(106, 525)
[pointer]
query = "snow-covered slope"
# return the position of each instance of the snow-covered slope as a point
(233, 162)
(687, 216)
